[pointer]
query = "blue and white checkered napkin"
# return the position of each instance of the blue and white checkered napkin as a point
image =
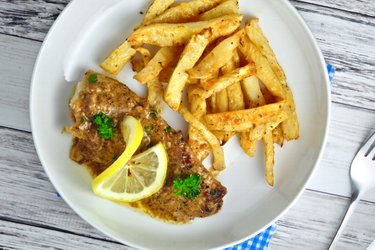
(261, 241)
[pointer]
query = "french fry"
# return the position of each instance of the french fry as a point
(156, 8)
(184, 12)
(155, 94)
(177, 34)
(264, 71)
(269, 156)
(216, 85)
(255, 33)
(235, 95)
(225, 8)
(253, 95)
(218, 153)
(198, 108)
(222, 106)
(160, 60)
(222, 101)
(137, 64)
(192, 52)
(278, 135)
(242, 120)
(217, 58)
(118, 58)
(290, 126)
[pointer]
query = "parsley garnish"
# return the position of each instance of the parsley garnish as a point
(154, 114)
(149, 128)
(188, 187)
(92, 78)
(104, 125)
(168, 129)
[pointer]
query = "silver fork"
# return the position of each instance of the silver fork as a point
(362, 178)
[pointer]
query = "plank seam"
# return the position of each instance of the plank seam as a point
(333, 8)
(51, 228)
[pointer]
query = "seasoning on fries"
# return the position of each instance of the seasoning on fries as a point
(235, 85)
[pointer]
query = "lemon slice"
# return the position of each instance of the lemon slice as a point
(136, 178)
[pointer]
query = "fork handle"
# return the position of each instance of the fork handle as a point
(356, 196)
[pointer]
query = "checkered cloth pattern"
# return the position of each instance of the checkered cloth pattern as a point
(261, 241)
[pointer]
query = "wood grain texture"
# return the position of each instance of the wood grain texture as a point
(313, 220)
(363, 7)
(22, 176)
(349, 128)
(339, 34)
(309, 224)
(20, 236)
(27, 194)
(17, 58)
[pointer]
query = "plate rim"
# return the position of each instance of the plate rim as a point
(327, 92)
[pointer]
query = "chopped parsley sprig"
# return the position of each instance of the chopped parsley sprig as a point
(188, 187)
(104, 125)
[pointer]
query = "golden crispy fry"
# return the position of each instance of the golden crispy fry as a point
(155, 94)
(242, 120)
(216, 85)
(198, 105)
(235, 95)
(118, 58)
(176, 34)
(255, 33)
(247, 144)
(192, 52)
(264, 71)
(225, 8)
(278, 136)
(219, 163)
(145, 54)
(211, 101)
(161, 59)
(137, 64)
(185, 11)
(198, 108)
(253, 95)
(217, 58)
(156, 8)
(269, 156)
(222, 100)
(290, 126)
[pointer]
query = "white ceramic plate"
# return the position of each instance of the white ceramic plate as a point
(85, 33)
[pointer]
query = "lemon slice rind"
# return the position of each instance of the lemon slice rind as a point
(132, 132)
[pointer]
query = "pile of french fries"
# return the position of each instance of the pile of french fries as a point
(233, 81)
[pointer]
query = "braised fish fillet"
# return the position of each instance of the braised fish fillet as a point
(114, 99)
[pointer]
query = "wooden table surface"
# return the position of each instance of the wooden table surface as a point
(33, 217)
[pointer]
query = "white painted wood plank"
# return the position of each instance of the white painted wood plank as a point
(339, 34)
(17, 58)
(313, 220)
(26, 192)
(32, 18)
(27, 195)
(349, 128)
(20, 236)
(364, 7)
(348, 44)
